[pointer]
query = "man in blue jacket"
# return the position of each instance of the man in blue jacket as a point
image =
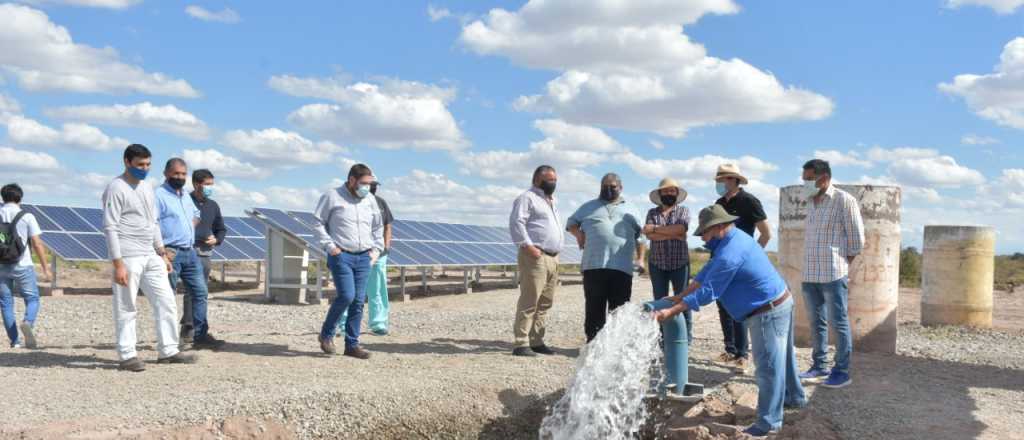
(740, 276)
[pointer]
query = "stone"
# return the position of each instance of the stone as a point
(745, 409)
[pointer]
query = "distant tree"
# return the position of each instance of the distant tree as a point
(910, 267)
(1017, 256)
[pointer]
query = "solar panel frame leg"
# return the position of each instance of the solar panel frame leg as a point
(465, 280)
(423, 279)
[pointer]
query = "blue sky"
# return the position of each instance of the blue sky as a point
(454, 102)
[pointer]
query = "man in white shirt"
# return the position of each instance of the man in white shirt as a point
(17, 231)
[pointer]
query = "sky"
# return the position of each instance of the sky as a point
(454, 103)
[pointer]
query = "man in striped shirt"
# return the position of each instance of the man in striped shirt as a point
(833, 237)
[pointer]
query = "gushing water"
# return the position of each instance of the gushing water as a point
(605, 398)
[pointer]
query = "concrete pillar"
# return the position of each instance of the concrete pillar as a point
(874, 277)
(957, 275)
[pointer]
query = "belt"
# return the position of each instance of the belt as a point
(178, 248)
(550, 254)
(771, 305)
(354, 253)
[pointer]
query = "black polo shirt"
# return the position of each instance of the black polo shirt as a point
(745, 206)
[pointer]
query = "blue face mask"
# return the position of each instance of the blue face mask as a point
(712, 244)
(363, 191)
(207, 191)
(721, 189)
(138, 173)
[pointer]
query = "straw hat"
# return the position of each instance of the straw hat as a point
(667, 182)
(711, 216)
(730, 170)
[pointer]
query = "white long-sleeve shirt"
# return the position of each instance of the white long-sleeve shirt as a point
(130, 219)
(348, 222)
(534, 222)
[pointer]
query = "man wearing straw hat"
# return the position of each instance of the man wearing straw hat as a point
(743, 279)
(666, 227)
(750, 215)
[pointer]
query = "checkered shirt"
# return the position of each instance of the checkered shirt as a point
(669, 254)
(833, 232)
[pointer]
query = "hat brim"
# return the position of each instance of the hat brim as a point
(700, 230)
(656, 197)
(743, 180)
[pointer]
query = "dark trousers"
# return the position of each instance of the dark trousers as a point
(679, 279)
(187, 328)
(604, 290)
(736, 341)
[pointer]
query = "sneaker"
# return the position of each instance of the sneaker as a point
(16, 345)
(813, 376)
(741, 365)
(380, 332)
(134, 365)
(725, 358)
(30, 336)
(327, 345)
(524, 352)
(788, 405)
(357, 352)
(178, 358)
(542, 349)
(837, 380)
(754, 431)
(209, 343)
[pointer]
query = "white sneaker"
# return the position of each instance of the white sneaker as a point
(30, 336)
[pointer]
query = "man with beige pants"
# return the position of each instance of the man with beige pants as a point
(537, 231)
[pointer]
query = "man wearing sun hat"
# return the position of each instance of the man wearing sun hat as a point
(743, 279)
(750, 215)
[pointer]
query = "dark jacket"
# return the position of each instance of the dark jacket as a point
(210, 223)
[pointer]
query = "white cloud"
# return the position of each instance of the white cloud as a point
(437, 14)
(934, 171)
(998, 96)
(627, 64)
(227, 15)
(973, 139)
(20, 160)
(836, 157)
(293, 198)
(233, 199)
(878, 154)
(165, 118)
(656, 144)
(24, 131)
(8, 108)
(107, 4)
(43, 57)
(433, 196)
(281, 147)
(696, 171)
(1003, 7)
(221, 164)
(388, 114)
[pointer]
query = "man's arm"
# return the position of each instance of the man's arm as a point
(387, 236)
(517, 220)
(581, 238)
(40, 251)
(377, 227)
(323, 236)
(764, 233)
(219, 230)
(853, 225)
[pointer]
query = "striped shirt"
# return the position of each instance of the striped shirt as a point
(833, 232)
(669, 254)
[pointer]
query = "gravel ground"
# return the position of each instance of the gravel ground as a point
(445, 372)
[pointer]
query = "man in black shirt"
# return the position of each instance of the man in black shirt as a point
(210, 233)
(737, 202)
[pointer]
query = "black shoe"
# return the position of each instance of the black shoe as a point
(524, 352)
(179, 358)
(185, 335)
(357, 352)
(134, 365)
(542, 349)
(208, 343)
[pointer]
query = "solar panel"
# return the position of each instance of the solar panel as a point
(67, 219)
(238, 228)
(92, 216)
(286, 222)
(44, 222)
(96, 243)
(67, 247)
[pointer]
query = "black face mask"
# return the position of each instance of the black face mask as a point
(609, 193)
(548, 187)
(176, 183)
(668, 200)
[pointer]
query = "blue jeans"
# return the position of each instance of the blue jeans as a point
(830, 298)
(350, 272)
(189, 269)
(25, 279)
(778, 381)
(679, 278)
(376, 297)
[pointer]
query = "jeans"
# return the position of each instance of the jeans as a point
(778, 381)
(148, 273)
(830, 298)
(189, 269)
(24, 277)
(376, 298)
(604, 290)
(187, 326)
(679, 278)
(675, 334)
(349, 272)
(735, 333)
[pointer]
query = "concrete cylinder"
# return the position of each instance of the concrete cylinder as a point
(957, 277)
(874, 277)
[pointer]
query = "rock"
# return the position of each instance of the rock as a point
(692, 433)
(745, 409)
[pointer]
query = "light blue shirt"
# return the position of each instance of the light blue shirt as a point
(739, 274)
(612, 230)
(177, 214)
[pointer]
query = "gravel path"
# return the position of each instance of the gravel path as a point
(445, 372)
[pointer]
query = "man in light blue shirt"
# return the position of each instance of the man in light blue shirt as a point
(608, 229)
(178, 217)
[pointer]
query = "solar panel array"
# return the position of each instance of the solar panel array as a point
(418, 243)
(76, 234)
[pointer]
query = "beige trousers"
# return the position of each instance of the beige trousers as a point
(538, 278)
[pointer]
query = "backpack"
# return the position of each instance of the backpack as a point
(11, 246)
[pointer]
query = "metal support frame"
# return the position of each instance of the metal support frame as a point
(259, 270)
(465, 280)
(423, 272)
(53, 270)
(224, 273)
(401, 282)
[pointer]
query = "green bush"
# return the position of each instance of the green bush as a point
(910, 267)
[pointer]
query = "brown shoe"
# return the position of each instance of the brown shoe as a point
(134, 365)
(327, 345)
(357, 352)
(178, 358)
(725, 358)
(741, 365)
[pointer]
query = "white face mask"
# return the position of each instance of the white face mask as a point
(810, 188)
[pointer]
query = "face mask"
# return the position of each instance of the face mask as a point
(138, 173)
(363, 191)
(609, 193)
(721, 189)
(712, 243)
(810, 189)
(548, 187)
(176, 183)
(668, 200)
(207, 191)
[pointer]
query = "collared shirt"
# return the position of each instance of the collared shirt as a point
(745, 206)
(210, 223)
(348, 222)
(612, 230)
(534, 222)
(27, 228)
(669, 254)
(834, 231)
(177, 216)
(739, 275)
(130, 219)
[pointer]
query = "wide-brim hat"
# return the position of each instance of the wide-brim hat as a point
(711, 216)
(730, 170)
(667, 182)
